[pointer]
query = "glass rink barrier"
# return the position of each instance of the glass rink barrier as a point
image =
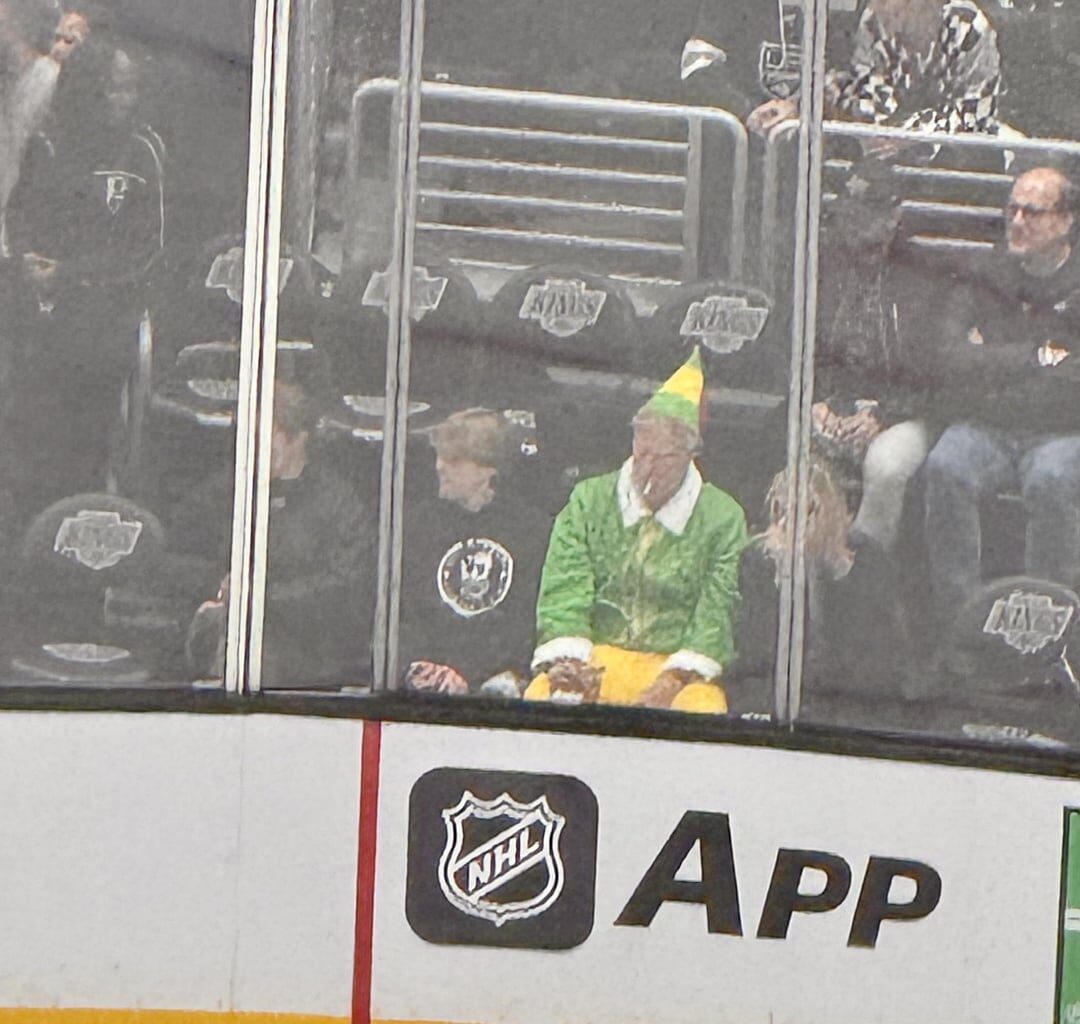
(421, 411)
(576, 365)
(604, 381)
(123, 213)
(940, 537)
(938, 508)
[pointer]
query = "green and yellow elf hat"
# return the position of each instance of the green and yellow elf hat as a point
(679, 397)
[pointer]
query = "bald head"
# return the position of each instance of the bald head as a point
(1039, 217)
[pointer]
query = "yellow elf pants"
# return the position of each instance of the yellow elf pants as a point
(628, 674)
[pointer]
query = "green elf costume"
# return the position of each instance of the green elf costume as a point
(634, 593)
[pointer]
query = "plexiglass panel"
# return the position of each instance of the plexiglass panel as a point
(123, 192)
(943, 538)
(600, 352)
(337, 290)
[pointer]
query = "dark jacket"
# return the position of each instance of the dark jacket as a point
(880, 308)
(320, 572)
(857, 640)
(470, 581)
(994, 378)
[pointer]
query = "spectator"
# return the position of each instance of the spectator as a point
(472, 558)
(919, 64)
(85, 222)
(318, 563)
(727, 40)
(639, 596)
(922, 65)
(857, 637)
(1011, 389)
(29, 81)
(874, 360)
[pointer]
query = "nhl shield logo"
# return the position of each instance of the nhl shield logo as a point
(501, 861)
(563, 308)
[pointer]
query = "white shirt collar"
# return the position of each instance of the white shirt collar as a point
(672, 516)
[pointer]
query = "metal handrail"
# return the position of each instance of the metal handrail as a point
(770, 196)
(694, 117)
(849, 129)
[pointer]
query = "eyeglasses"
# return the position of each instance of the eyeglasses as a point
(1029, 211)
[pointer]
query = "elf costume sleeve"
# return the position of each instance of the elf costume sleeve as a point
(709, 642)
(567, 587)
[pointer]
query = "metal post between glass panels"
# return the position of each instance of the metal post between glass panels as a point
(806, 253)
(239, 611)
(387, 610)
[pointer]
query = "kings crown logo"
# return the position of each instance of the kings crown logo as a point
(97, 539)
(513, 874)
(1028, 622)
(563, 308)
(723, 323)
(427, 292)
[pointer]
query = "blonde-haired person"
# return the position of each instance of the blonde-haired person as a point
(472, 555)
(856, 636)
(828, 554)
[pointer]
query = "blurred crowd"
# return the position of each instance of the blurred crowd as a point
(942, 488)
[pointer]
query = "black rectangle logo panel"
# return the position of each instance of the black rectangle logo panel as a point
(501, 859)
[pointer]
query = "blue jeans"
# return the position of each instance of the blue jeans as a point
(970, 463)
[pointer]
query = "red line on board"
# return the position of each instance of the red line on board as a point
(365, 872)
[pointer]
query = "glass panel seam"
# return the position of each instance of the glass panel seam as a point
(247, 398)
(268, 352)
(391, 490)
(811, 152)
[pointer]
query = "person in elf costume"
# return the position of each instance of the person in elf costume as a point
(639, 593)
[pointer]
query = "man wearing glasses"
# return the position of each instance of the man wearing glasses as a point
(1010, 388)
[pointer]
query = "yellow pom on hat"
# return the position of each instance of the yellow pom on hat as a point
(679, 397)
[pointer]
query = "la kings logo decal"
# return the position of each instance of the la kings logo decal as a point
(427, 292)
(563, 308)
(501, 859)
(97, 539)
(723, 323)
(1028, 622)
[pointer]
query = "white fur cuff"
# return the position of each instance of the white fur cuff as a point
(562, 647)
(691, 661)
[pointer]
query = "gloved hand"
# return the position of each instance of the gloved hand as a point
(770, 114)
(666, 686)
(429, 677)
(574, 681)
